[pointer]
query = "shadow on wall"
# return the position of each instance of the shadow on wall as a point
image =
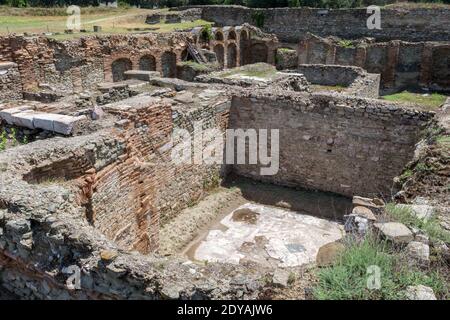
(232, 56)
(220, 52)
(119, 67)
(259, 53)
(147, 63)
(169, 64)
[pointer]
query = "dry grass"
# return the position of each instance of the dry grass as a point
(112, 21)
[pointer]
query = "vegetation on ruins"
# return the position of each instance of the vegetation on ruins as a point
(430, 226)
(206, 33)
(347, 279)
(3, 140)
(431, 101)
(258, 18)
(346, 43)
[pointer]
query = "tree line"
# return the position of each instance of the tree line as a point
(175, 3)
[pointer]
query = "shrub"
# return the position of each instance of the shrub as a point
(258, 18)
(206, 33)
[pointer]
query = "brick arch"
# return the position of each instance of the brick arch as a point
(147, 62)
(259, 53)
(220, 53)
(169, 64)
(218, 36)
(244, 36)
(232, 55)
(118, 68)
(232, 35)
(244, 46)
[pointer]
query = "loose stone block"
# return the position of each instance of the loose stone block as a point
(394, 231)
(58, 123)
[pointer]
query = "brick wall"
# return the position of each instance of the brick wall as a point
(144, 188)
(80, 64)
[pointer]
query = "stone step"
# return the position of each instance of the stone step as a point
(24, 116)
(7, 114)
(141, 75)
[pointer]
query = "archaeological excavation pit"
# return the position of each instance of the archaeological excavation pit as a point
(89, 177)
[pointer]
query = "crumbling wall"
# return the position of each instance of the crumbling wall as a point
(46, 240)
(292, 24)
(331, 143)
(356, 81)
(237, 46)
(402, 65)
(79, 64)
(10, 84)
(174, 17)
(132, 197)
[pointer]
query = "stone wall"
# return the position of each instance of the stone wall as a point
(332, 143)
(356, 81)
(401, 64)
(10, 82)
(292, 24)
(174, 17)
(45, 236)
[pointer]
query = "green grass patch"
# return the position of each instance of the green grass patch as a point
(346, 43)
(286, 50)
(349, 277)
(257, 70)
(429, 101)
(196, 66)
(431, 226)
(112, 21)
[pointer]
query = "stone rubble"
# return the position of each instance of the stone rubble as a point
(395, 231)
(420, 292)
(418, 253)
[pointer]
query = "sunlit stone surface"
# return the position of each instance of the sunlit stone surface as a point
(270, 236)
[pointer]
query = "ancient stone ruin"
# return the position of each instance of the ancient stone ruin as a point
(88, 181)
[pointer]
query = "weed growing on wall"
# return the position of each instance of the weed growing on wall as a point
(346, 43)
(206, 33)
(258, 18)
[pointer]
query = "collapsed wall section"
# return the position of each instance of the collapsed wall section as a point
(339, 144)
(10, 82)
(402, 65)
(80, 64)
(81, 203)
